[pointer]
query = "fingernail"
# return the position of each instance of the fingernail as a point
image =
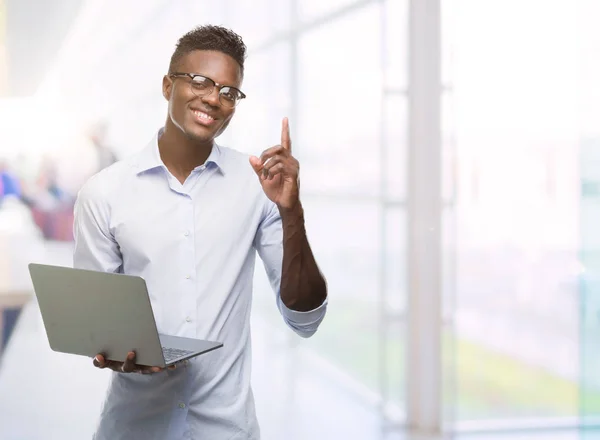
(156, 369)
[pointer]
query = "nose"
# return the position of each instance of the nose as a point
(212, 98)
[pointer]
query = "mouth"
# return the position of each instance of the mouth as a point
(203, 118)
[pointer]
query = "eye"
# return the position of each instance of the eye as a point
(201, 83)
(230, 94)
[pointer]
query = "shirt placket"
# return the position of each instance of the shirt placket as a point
(189, 311)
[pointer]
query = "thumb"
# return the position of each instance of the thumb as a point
(256, 164)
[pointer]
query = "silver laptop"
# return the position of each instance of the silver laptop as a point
(87, 312)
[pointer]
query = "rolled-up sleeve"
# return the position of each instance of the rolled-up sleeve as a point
(269, 245)
(95, 247)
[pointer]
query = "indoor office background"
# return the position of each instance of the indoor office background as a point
(450, 164)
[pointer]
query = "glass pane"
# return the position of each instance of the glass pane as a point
(392, 340)
(394, 245)
(449, 164)
(589, 73)
(449, 20)
(517, 211)
(351, 261)
(396, 44)
(396, 140)
(340, 105)
(393, 376)
(590, 280)
(449, 336)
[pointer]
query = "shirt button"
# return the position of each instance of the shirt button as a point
(182, 405)
(186, 233)
(187, 277)
(188, 319)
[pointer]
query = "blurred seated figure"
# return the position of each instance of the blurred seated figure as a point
(51, 206)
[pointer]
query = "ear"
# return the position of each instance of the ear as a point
(167, 87)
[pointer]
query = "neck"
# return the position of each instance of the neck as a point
(181, 154)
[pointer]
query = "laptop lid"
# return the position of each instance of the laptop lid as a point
(88, 312)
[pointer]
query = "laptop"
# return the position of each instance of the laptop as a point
(87, 312)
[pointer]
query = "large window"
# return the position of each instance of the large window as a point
(517, 196)
(339, 95)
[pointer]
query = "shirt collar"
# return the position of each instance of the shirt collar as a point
(149, 158)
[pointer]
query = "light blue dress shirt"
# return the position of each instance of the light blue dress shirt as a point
(195, 245)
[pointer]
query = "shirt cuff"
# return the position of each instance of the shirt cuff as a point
(304, 318)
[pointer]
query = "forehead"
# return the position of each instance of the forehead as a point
(216, 65)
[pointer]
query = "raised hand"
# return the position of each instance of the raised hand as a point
(278, 171)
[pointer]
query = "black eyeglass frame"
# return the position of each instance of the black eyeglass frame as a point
(215, 84)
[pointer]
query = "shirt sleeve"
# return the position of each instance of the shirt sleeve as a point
(95, 246)
(269, 244)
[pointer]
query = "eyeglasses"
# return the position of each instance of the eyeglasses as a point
(202, 86)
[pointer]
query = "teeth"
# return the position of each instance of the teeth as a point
(202, 115)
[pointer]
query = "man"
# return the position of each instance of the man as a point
(188, 216)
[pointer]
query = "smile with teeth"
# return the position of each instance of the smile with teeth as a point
(203, 116)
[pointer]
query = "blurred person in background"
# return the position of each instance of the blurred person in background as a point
(9, 182)
(98, 136)
(48, 192)
(188, 216)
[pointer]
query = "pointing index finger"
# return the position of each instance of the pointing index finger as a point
(286, 142)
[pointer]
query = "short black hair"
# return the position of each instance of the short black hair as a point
(210, 37)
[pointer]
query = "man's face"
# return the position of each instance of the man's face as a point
(201, 118)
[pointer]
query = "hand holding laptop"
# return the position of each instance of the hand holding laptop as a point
(129, 366)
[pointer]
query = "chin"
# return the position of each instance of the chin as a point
(200, 134)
